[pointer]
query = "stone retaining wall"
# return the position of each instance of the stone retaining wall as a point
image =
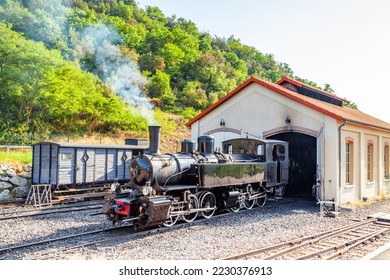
(14, 183)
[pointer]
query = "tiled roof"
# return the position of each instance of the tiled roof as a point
(334, 111)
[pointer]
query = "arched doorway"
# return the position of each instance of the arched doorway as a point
(303, 163)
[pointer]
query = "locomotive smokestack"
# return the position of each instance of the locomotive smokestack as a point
(154, 139)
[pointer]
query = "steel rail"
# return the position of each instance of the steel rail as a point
(133, 235)
(48, 208)
(299, 241)
(48, 213)
(337, 254)
(13, 248)
(354, 242)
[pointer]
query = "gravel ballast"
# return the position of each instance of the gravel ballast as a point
(216, 238)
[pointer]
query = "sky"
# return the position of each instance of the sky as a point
(344, 43)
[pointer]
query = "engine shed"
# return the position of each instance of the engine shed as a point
(69, 164)
(336, 153)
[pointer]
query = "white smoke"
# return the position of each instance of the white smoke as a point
(101, 43)
(119, 72)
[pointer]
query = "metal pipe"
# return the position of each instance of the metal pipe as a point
(339, 134)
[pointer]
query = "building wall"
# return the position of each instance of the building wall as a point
(257, 111)
(361, 186)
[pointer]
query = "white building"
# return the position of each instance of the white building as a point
(344, 150)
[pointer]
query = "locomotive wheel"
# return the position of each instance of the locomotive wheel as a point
(249, 203)
(236, 208)
(192, 204)
(171, 219)
(261, 200)
(208, 200)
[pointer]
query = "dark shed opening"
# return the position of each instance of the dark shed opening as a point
(303, 163)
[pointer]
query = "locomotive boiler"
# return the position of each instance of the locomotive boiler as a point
(165, 188)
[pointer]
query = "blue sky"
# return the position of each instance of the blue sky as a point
(343, 43)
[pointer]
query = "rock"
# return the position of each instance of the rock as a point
(20, 192)
(18, 181)
(4, 167)
(5, 185)
(10, 172)
(5, 195)
(26, 175)
(18, 168)
(28, 168)
(4, 178)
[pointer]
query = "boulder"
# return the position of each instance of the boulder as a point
(10, 172)
(4, 178)
(5, 185)
(26, 175)
(18, 167)
(5, 195)
(20, 192)
(4, 167)
(18, 181)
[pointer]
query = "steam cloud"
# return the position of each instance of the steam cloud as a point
(100, 43)
(116, 70)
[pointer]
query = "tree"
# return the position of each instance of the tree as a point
(159, 87)
(194, 96)
(328, 88)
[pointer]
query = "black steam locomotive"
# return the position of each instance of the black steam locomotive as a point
(165, 188)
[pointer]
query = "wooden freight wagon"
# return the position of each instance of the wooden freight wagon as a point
(70, 164)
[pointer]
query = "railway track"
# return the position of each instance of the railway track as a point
(43, 252)
(326, 245)
(47, 211)
(5, 250)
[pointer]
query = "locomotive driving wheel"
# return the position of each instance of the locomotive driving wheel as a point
(260, 201)
(207, 200)
(193, 203)
(171, 219)
(249, 203)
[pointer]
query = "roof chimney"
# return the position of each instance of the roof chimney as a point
(154, 139)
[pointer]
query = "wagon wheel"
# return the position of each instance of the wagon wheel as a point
(171, 219)
(193, 203)
(208, 200)
(262, 199)
(249, 192)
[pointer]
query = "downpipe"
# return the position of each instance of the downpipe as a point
(339, 132)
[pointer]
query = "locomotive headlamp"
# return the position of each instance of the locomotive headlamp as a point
(115, 187)
(147, 190)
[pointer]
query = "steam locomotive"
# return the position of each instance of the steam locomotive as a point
(165, 188)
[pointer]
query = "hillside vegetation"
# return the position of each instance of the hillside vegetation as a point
(88, 66)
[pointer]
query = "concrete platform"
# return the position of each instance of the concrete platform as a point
(382, 253)
(382, 217)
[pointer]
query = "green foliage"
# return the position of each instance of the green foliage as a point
(42, 93)
(50, 81)
(351, 105)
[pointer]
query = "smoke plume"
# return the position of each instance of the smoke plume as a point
(117, 71)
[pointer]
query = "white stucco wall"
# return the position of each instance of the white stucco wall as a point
(261, 112)
(258, 110)
(361, 186)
